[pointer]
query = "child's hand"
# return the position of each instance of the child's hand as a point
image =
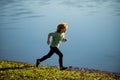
(48, 42)
(64, 40)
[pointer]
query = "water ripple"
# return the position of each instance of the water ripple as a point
(112, 5)
(13, 10)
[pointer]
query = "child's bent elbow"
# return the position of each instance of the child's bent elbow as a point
(49, 34)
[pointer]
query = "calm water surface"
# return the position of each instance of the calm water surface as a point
(93, 33)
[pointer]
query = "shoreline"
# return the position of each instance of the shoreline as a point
(14, 65)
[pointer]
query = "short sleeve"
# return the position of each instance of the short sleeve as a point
(52, 33)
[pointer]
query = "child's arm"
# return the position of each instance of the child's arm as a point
(64, 39)
(48, 40)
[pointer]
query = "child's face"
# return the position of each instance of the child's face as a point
(63, 30)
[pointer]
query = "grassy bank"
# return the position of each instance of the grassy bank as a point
(10, 70)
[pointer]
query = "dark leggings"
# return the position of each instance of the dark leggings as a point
(51, 52)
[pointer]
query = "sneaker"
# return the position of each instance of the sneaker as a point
(37, 62)
(63, 68)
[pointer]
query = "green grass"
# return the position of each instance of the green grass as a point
(10, 70)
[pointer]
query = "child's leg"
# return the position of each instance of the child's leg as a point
(47, 56)
(58, 52)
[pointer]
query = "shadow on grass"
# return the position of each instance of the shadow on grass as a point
(14, 68)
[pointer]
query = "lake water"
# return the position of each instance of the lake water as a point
(93, 33)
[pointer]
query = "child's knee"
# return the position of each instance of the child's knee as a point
(61, 55)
